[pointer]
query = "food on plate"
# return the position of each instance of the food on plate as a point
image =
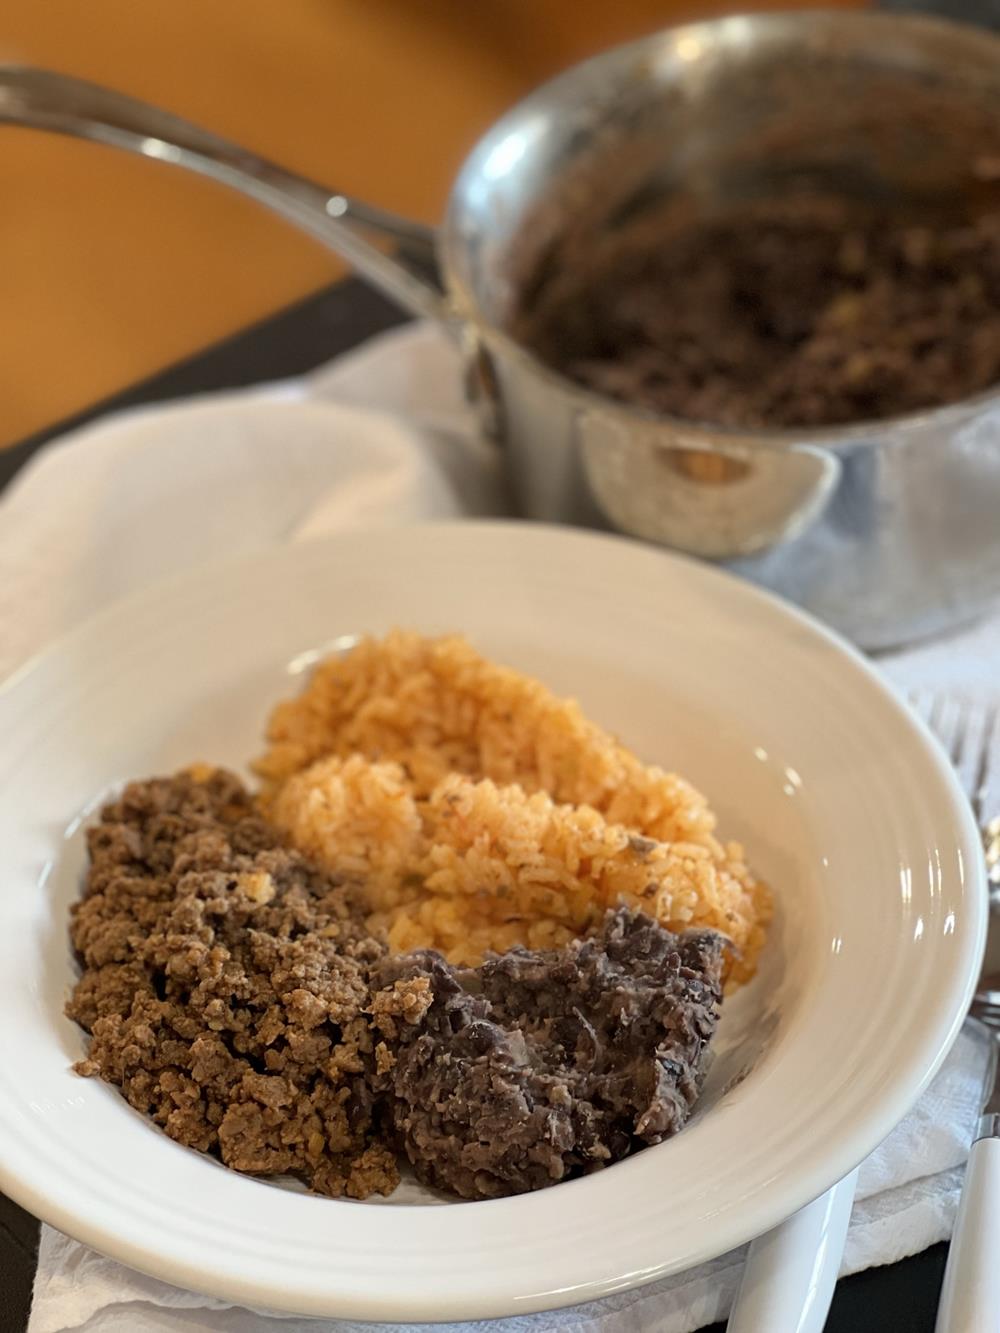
(459, 920)
(538, 1066)
(224, 986)
(435, 708)
(477, 868)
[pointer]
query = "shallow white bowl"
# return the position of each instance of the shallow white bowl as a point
(846, 806)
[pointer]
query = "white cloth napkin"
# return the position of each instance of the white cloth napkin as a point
(379, 438)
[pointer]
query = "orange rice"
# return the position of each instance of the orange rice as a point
(483, 811)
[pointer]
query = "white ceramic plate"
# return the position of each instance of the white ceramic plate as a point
(846, 805)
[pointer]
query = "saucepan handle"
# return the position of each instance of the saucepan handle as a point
(40, 99)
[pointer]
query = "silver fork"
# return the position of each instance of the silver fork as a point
(970, 1296)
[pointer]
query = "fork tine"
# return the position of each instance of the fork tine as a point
(922, 703)
(949, 719)
(953, 721)
(981, 803)
(967, 730)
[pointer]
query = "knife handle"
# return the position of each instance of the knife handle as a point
(970, 1297)
(790, 1272)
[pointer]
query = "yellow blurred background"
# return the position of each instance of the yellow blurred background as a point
(114, 267)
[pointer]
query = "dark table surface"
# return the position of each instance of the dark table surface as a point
(901, 1298)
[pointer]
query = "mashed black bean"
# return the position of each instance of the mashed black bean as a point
(538, 1066)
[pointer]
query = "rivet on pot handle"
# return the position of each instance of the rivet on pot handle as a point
(686, 489)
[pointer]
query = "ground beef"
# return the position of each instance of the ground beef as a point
(800, 312)
(538, 1066)
(225, 985)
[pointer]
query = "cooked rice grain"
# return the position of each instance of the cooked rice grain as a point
(479, 868)
(422, 709)
(437, 707)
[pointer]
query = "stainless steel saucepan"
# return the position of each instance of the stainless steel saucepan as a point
(889, 531)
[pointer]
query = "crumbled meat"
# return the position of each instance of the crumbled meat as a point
(537, 1066)
(225, 985)
(801, 312)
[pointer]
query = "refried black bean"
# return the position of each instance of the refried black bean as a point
(538, 1066)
